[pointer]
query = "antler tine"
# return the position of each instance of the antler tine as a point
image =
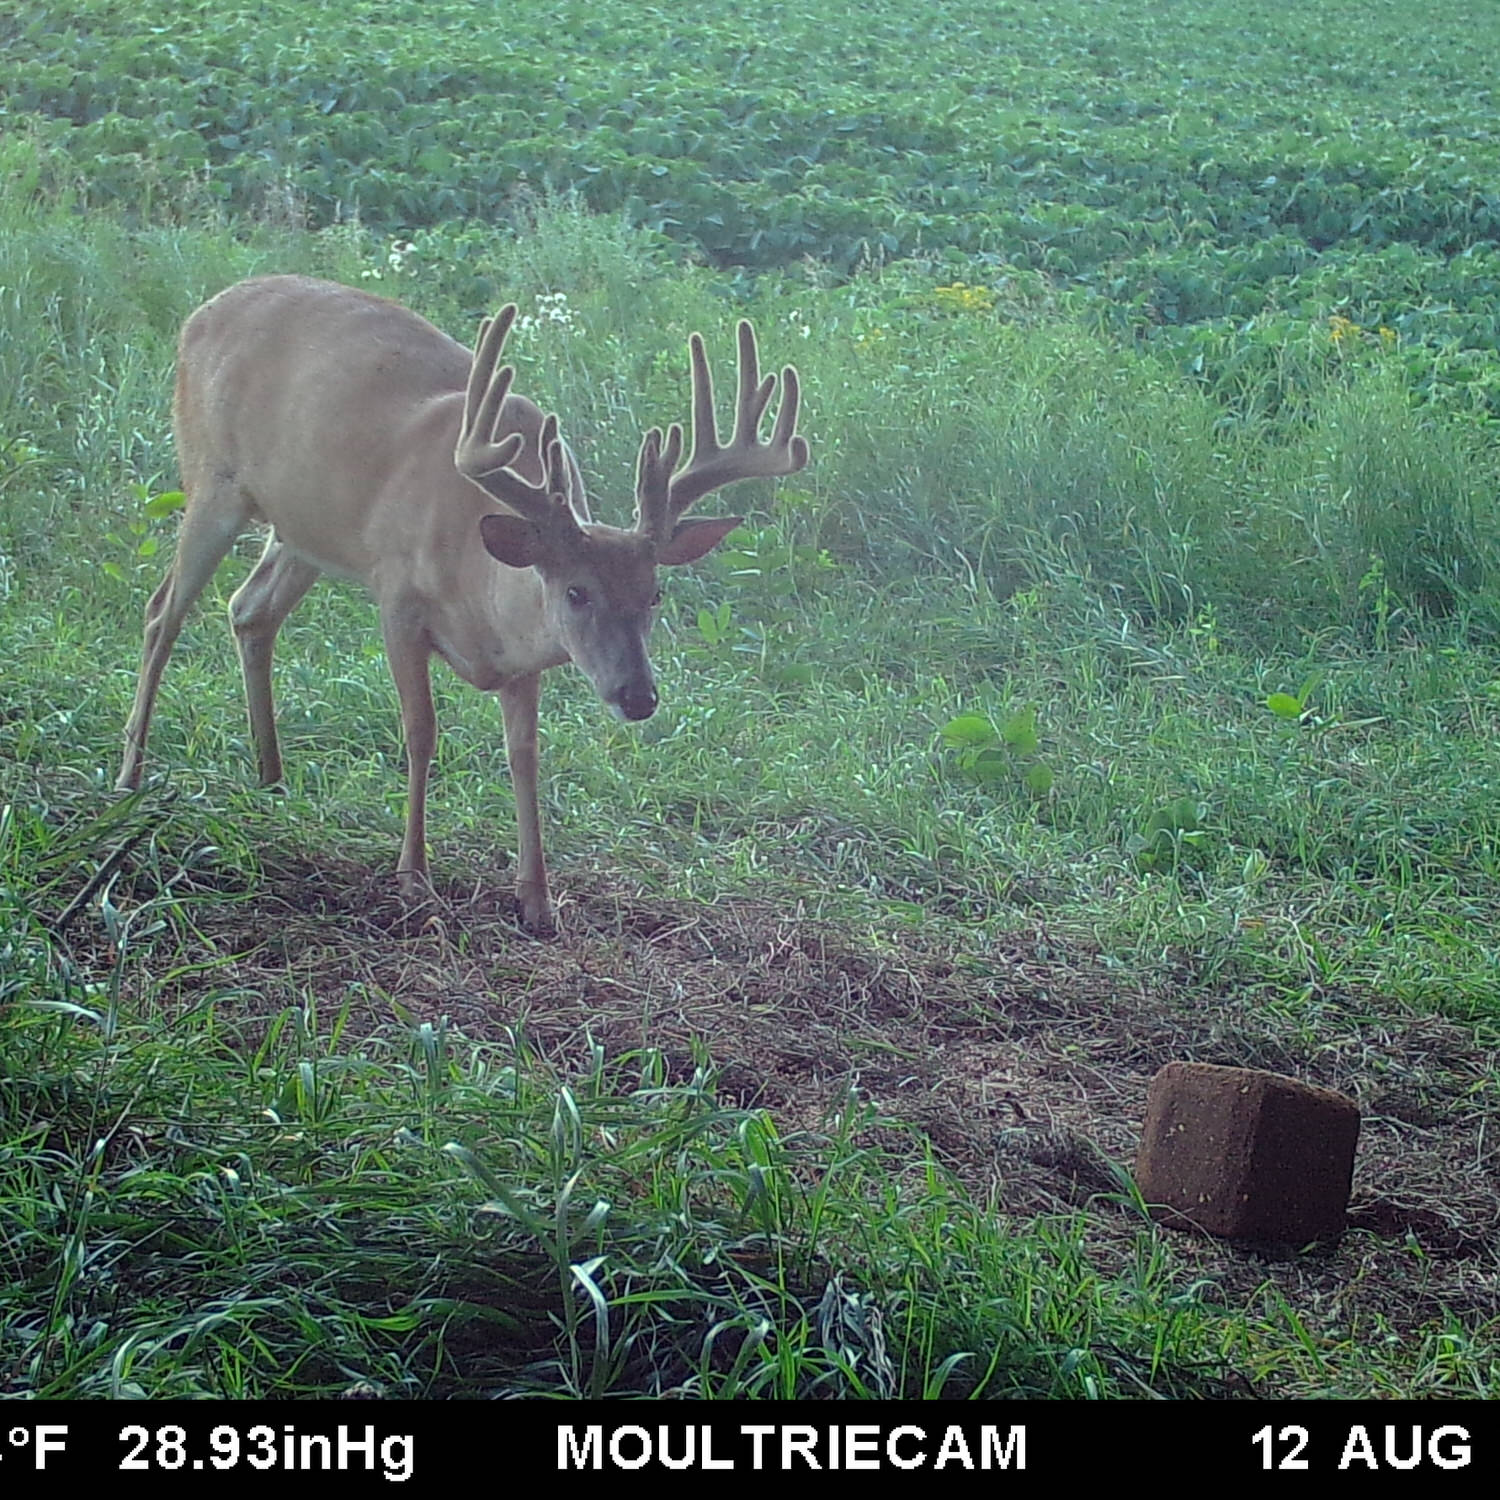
(705, 421)
(487, 390)
(486, 462)
(712, 464)
(653, 480)
(754, 393)
(549, 445)
(555, 465)
(784, 433)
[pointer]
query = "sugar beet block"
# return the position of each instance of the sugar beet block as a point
(1246, 1154)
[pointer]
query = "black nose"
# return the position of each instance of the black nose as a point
(638, 701)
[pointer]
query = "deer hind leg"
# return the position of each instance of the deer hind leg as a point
(518, 703)
(256, 611)
(407, 653)
(213, 520)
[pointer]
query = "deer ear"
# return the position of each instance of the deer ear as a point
(691, 539)
(512, 540)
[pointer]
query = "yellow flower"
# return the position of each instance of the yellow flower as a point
(1387, 336)
(962, 298)
(1340, 329)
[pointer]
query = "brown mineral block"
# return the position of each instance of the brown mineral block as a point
(1246, 1154)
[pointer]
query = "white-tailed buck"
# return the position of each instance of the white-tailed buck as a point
(376, 448)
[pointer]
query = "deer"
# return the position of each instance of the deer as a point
(376, 448)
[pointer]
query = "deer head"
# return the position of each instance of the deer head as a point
(599, 583)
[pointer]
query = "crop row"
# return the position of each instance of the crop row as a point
(759, 140)
(1201, 170)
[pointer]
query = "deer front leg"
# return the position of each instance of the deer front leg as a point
(518, 703)
(408, 655)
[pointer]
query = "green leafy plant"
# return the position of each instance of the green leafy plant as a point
(1380, 599)
(715, 626)
(1292, 708)
(992, 755)
(1174, 833)
(142, 539)
(764, 561)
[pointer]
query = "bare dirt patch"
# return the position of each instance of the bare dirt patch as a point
(1023, 1058)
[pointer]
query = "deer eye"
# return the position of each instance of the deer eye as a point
(578, 597)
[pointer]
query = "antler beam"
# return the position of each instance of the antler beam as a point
(662, 497)
(486, 462)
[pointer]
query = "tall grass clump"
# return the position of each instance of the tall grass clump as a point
(1033, 448)
(1404, 488)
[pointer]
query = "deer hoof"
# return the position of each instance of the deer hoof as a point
(536, 914)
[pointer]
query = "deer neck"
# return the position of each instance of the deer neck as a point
(494, 628)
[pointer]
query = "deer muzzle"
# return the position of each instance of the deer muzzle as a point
(637, 700)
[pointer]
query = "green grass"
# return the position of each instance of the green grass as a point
(233, 1168)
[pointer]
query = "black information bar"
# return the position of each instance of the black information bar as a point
(381, 1446)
